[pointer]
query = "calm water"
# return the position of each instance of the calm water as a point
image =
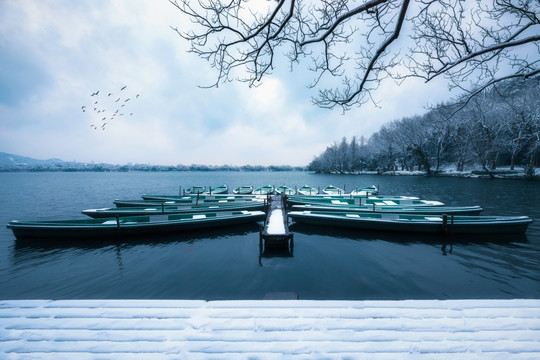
(225, 263)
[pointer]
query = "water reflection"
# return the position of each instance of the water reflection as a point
(31, 249)
(269, 251)
(405, 237)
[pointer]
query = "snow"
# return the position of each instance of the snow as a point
(276, 224)
(273, 329)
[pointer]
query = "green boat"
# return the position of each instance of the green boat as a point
(378, 201)
(222, 189)
(415, 223)
(365, 191)
(243, 190)
(433, 210)
(129, 226)
(195, 190)
(307, 190)
(179, 202)
(165, 209)
(332, 190)
(190, 197)
(264, 190)
(285, 190)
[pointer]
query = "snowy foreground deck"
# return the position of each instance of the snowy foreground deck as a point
(275, 329)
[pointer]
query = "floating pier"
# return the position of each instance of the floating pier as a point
(275, 232)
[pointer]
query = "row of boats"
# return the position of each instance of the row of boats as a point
(280, 190)
(360, 209)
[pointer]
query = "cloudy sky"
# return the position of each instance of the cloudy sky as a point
(55, 54)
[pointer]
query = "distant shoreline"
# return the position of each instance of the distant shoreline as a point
(471, 174)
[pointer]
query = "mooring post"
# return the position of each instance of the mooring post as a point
(118, 221)
(445, 226)
(163, 208)
(197, 202)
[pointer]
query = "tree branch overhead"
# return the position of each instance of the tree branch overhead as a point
(351, 46)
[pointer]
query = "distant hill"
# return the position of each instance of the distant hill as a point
(11, 160)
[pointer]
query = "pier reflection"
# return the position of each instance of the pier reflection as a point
(275, 250)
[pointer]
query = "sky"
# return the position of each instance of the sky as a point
(55, 54)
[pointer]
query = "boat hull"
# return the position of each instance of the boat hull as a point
(129, 226)
(169, 210)
(433, 210)
(307, 190)
(243, 190)
(416, 223)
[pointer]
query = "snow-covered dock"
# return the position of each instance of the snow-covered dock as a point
(275, 329)
(276, 230)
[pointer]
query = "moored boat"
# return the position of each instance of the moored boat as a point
(285, 190)
(264, 190)
(218, 190)
(243, 190)
(365, 191)
(395, 209)
(377, 200)
(415, 223)
(129, 226)
(195, 190)
(166, 209)
(333, 190)
(187, 202)
(307, 190)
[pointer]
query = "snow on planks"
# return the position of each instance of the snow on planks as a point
(279, 329)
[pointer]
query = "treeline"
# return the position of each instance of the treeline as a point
(84, 167)
(498, 127)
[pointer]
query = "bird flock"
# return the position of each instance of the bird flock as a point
(105, 107)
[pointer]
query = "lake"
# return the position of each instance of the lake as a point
(225, 263)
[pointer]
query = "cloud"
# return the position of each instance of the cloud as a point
(56, 54)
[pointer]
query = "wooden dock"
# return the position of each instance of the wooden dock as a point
(275, 232)
(272, 329)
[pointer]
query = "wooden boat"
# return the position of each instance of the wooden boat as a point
(332, 190)
(189, 201)
(129, 226)
(433, 210)
(243, 190)
(218, 190)
(307, 190)
(190, 197)
(415, 223)
(377, 201)
(285, 190)
(264, 190)
(365, 191)
(195, 190)
(165, 209)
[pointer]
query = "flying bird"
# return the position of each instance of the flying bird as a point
(123, 88)
(127, 100)
(117, 100)
(109, 94)
(96, 93)
(137, 95)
